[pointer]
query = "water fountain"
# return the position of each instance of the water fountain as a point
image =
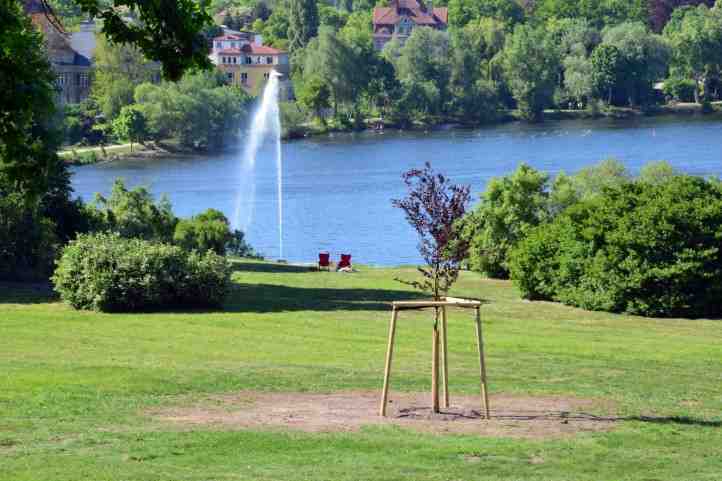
(266, 126)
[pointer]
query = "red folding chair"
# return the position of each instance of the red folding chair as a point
(324, 261)
(344, 262)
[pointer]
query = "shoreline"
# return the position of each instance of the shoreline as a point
(169, 148)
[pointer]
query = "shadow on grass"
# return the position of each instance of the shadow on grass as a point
(270, 268)
(26, 292)
(264, 298)
(675, 420)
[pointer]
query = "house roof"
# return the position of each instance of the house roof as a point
(252, 49)
(235, 36)
(414, 9)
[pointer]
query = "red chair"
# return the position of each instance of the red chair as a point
(344, 262)
(324, 261)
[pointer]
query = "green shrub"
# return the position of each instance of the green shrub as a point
(508, 209)
(207, 231)
(28, 242)
(133, 213)
(680, 89)
(642, 248)
(106, 272)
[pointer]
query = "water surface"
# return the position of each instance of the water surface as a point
(338, 189)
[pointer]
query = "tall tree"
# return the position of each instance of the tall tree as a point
(302, 23)
(118, 70)
(28, 139)
(606, 66)
(695, 38)
(660, 11)
(645, 57)
(461, 12)
(329, 58)
(531, 64)
(168, 31)
(424, 61)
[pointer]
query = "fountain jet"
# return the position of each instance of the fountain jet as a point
(266, 126)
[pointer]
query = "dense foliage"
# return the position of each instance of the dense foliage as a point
(107, 272)
(133, 214)
(206, 231)
(200, 110)
(28, 136)
(648, 248)
(508, 209)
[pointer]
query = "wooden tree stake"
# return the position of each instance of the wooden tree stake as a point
(435, 364)
(445, 357)
(389, 355)
(439, 347)
(482, 364)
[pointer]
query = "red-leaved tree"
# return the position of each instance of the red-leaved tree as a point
(433, 206)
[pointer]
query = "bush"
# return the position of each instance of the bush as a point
(509, 208)
(133, 213)
(28, 242)
(207, 231)
(651, 249)
(106, 272)
(680, 89)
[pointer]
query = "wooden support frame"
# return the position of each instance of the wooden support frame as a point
(439, 350)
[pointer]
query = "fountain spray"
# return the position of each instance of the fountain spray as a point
(266, 125)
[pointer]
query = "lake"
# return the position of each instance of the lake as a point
(338, 188)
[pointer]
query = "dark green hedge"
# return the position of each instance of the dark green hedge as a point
(640, 248)
(106, 272)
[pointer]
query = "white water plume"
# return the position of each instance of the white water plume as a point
(266, 126)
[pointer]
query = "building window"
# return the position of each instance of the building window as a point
(269, 60)
(60, 79)
(266, 75)
(83, 80)
(248, 60)
(244, 77)
(218, 45)
(229, 76)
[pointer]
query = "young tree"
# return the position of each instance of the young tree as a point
(433, 206)
(131, 125)
(302, 23)
(531, 65)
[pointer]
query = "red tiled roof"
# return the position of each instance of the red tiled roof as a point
(262, 49)
(413, 9)
(252, 49)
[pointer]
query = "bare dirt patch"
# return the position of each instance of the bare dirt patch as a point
(511, 416)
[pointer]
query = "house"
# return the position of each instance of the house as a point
(402, 16)
(248, 63)
(72, 68)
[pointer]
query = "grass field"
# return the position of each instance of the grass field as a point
(76, 387)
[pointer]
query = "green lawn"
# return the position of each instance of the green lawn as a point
(75, 387)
